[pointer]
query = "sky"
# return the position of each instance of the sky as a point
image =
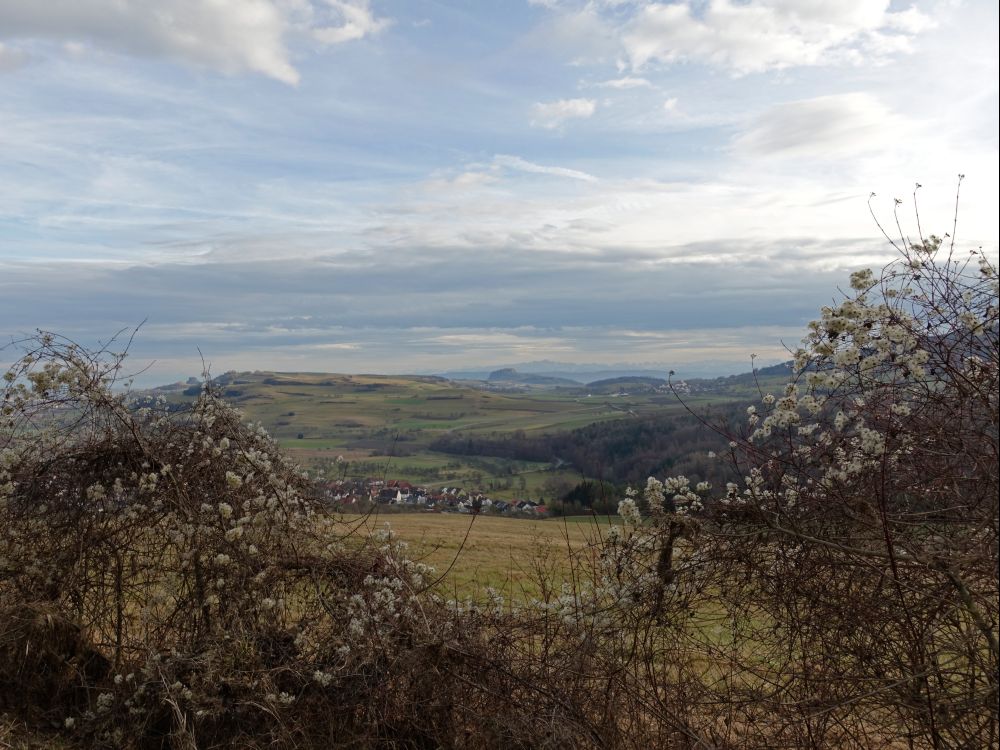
(432, 185)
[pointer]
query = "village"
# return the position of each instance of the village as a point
(362, 494)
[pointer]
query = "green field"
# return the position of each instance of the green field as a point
(383, 426)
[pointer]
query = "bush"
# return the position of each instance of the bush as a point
(166, 577)
(856, 564)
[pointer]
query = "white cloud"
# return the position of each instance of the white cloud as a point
(826, 126)
(231, 36)
(626, 82)
(768, 34)
(357, 22)
(910, 21)
(580, 34)
(552, 115)
(522, 165)
(228, 35)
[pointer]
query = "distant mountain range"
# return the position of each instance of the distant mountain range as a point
(581, 374)
(513, 376)
(540, 374)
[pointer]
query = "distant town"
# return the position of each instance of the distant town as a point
(362, 494)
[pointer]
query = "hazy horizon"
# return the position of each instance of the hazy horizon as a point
(143, 377)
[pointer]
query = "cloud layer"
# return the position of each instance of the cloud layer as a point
(430, 309)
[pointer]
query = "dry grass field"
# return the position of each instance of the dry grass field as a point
(510, 555)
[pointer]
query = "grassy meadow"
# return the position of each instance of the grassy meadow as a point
(511, 555)
(383, 426)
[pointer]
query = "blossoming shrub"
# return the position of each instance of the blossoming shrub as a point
(166, 580)
(167, 575)
(855, 567)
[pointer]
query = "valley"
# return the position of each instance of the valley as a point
(522, 437)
